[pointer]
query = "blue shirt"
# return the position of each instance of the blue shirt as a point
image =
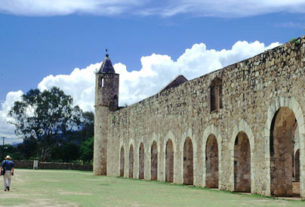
(7, 165)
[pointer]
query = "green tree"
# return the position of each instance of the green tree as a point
(47, 116)
(65, 152)
(28, 148)
(86, 150)
(86, 129)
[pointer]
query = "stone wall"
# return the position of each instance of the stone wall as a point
(28, 164)
(252, 91)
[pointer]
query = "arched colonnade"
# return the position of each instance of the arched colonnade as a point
(283, 158)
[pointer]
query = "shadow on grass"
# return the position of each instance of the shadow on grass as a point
(250, 195)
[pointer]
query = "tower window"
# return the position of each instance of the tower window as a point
(102, 82)
(216, 94)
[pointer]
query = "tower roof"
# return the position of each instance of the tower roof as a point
(106, 66)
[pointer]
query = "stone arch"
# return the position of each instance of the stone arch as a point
(169, 161)
(242, 163)
(197, 180)
(212, 130)
(188, 162)
(141, 161)
(293, 105)
(211, 155)
(282, 133)
(154, 161)
(131, 161)
(122, 162)
(242, 126)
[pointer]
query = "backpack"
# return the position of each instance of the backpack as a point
(2, 169)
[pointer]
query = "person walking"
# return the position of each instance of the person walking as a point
(7, 166)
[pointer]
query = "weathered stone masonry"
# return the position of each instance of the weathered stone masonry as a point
(240, 128)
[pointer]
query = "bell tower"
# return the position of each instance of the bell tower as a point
(106, 101)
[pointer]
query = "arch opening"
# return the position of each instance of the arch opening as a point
(169, 162)
(131, 161)
(154, 161)
(211, 155)
(188, 162)
(282, 139)
(141, 161)
(242, 163)
(122, 162)
(297, 166)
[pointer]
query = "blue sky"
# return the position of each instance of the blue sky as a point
(144, 39)
(34, 47)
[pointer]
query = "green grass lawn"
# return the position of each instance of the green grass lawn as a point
(74, 188)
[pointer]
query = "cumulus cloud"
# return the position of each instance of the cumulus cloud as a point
(156, 72)
(6, 129)
(219, 8)
(79, 84)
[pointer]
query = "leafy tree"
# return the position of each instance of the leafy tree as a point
(86, 150)
(6, 150)
(87, 125)
(28, 148)
(66, 152)
(46, 116)
(86, 129)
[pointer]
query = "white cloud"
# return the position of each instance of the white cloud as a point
(219, 8)
(65, 7)
(7, 130)
(156, 72)
(79, 84)
(224, 8)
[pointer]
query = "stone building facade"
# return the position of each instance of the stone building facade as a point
(240, 128)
